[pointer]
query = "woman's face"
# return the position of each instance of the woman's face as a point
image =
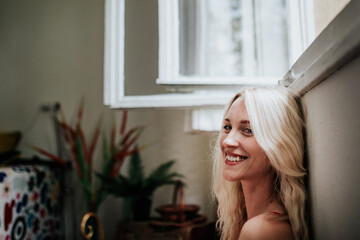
(243, 157)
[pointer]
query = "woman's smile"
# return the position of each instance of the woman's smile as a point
(233, 159)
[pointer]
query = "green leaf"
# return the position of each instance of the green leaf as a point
(127, 209)
(120, 186)
(160, 177)
(136, 169)
(161, 171)
(81, 159)
(106, 156)
(86, 185)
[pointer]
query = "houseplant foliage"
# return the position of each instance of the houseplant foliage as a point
(115, 151)
(138, 190)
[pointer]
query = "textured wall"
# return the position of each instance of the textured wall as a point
(325, 11)
(333, 128)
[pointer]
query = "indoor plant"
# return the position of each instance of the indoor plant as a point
(136, 189)
(115, 151)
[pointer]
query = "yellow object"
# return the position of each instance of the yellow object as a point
(9, 141)
(89, 232)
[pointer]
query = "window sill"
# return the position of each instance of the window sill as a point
(176, 100)
(216, 81)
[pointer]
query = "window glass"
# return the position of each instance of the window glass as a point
(233, 38)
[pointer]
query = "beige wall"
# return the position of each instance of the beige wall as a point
(141, 48)
(333, 127)
(53, 51)
(325, 11)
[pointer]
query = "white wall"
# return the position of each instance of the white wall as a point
(52, 51)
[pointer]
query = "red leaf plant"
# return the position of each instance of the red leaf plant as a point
(82, 153)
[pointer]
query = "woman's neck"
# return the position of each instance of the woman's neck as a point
(259, 197)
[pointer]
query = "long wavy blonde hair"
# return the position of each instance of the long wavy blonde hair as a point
(276, 119)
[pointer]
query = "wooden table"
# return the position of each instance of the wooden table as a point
(144, 231)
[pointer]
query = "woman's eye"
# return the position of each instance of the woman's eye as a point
(248, 130)
(227, 127)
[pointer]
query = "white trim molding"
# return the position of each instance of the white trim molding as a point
(114, 51)
(175, 100)
(215, 81)
(168, 39)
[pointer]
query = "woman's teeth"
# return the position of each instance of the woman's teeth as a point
(235, 158)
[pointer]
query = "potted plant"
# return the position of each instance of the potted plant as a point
(138, 190)
(122, 144)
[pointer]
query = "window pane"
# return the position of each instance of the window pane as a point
(233, 38)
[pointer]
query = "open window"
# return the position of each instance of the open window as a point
(206, 48)
(234, 42)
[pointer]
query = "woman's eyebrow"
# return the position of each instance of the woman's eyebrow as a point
(245, 122)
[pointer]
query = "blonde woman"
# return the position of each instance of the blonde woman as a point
(258, 167)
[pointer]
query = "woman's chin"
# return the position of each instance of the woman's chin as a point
(231, 177)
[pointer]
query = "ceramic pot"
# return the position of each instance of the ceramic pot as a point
(141, 208)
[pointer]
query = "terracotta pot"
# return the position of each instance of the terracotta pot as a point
(178, 212)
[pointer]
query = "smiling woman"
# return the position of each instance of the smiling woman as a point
(258, 167)
(243, 156)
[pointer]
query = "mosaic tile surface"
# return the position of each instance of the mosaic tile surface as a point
(30, 203)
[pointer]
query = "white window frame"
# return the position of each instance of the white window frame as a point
(114, 90)
(114, 81)
(169, 50)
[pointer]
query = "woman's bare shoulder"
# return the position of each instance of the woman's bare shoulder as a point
(262, 227)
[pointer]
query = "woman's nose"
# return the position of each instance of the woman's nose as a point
(230, 141)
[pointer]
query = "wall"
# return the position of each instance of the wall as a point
(327, 75)
(325, 11)
(333, 126)
(52, 51)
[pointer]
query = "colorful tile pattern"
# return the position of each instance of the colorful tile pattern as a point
(30, 203)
